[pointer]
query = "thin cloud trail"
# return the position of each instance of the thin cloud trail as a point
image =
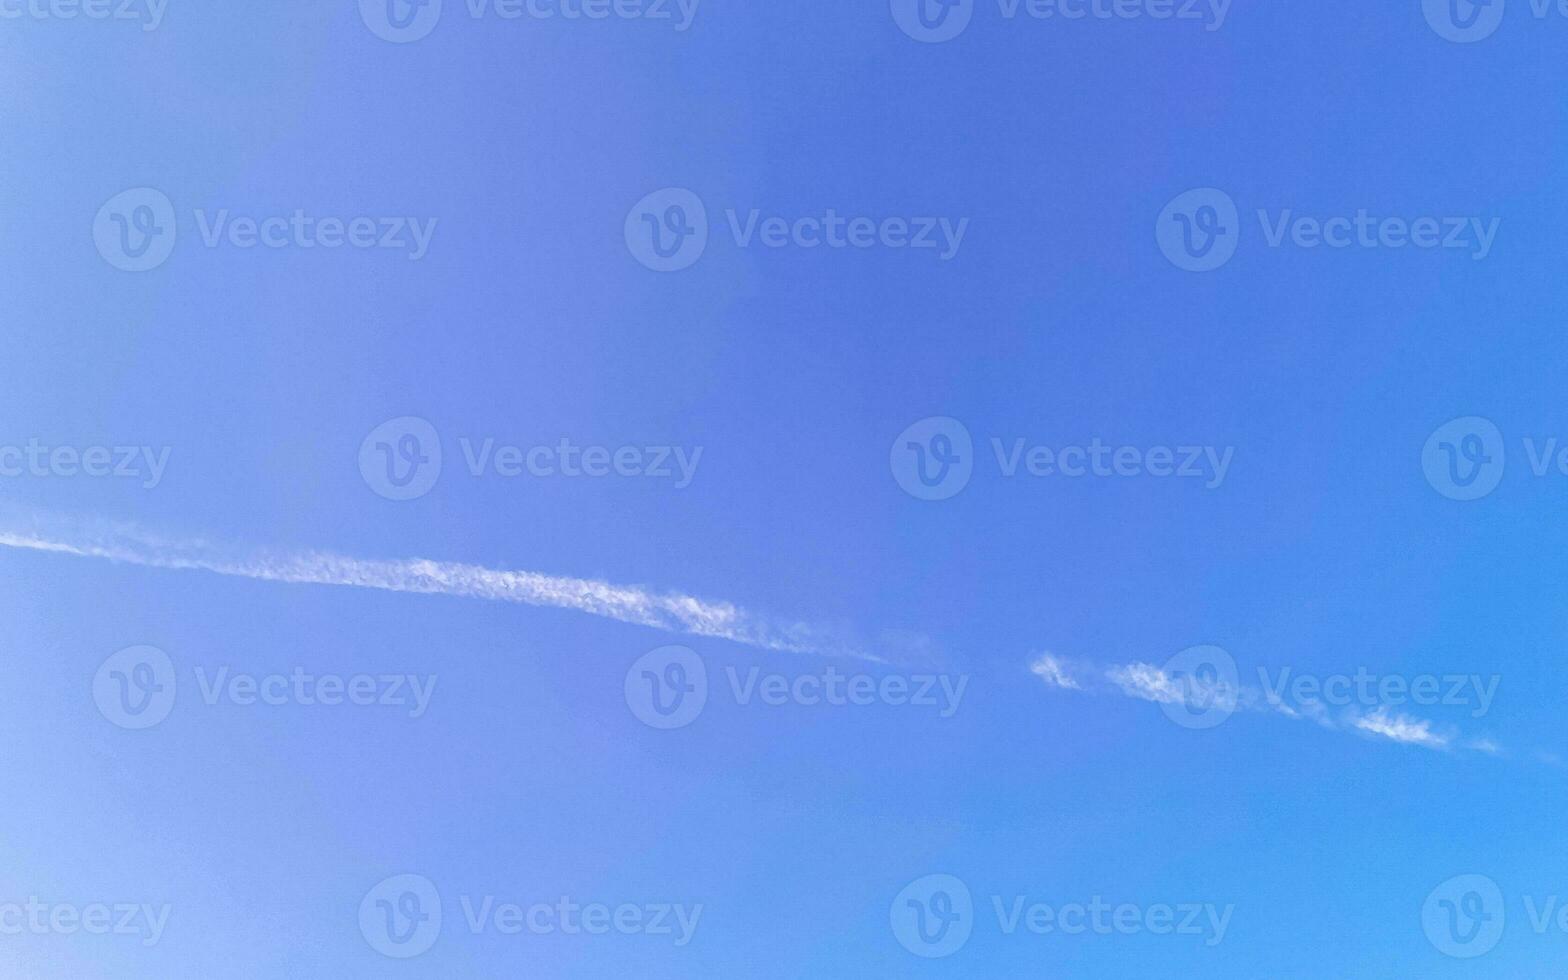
(1146, 682)
(667, 611)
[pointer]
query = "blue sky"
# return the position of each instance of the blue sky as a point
(1025, 716)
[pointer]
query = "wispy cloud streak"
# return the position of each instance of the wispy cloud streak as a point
(1147, 682)
(669, 611)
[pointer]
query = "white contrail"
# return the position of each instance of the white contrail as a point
(673, 612)
(1146, 682)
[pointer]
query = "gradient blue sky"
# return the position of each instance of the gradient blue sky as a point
(1059, 321)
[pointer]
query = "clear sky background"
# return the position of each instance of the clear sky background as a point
(1059, 321)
